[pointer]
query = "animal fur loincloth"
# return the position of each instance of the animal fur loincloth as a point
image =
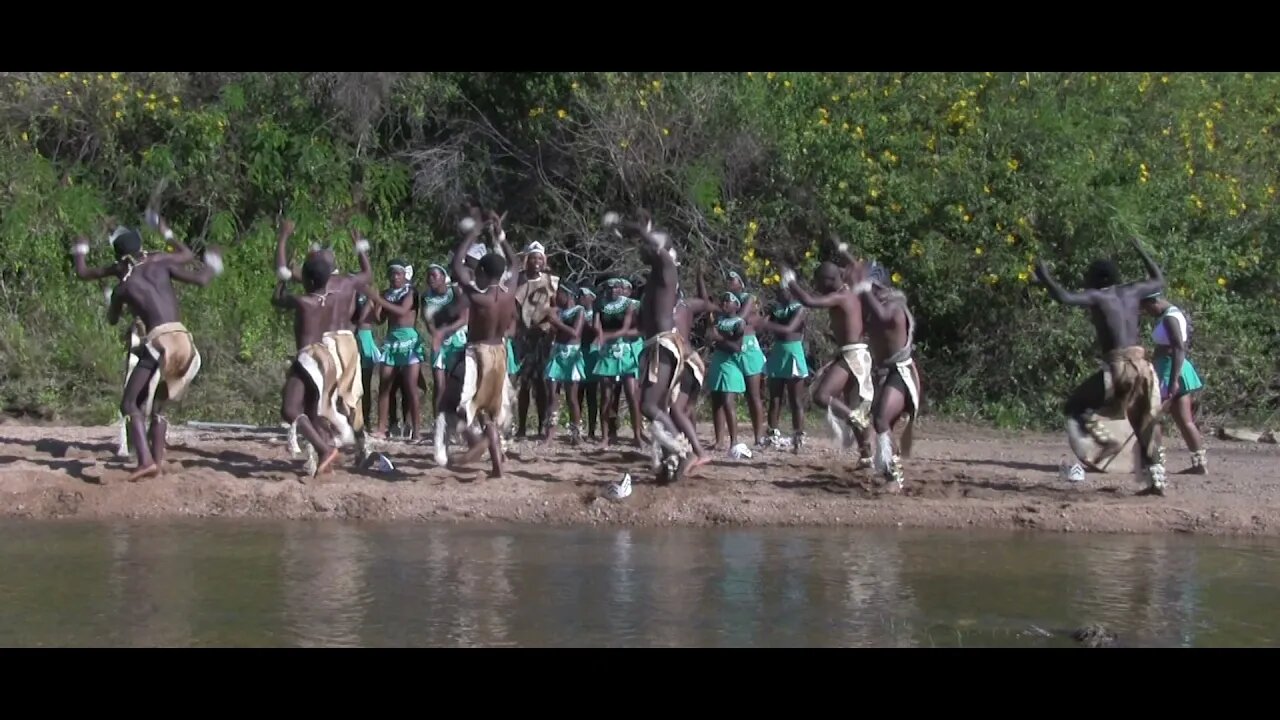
(320, 362)
(171, 346)
(486, 387)
(350, 386)
(1133, 388)
(685, 358)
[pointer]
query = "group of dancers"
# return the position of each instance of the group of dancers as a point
(500, 325)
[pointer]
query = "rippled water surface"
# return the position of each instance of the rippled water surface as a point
(214, 583)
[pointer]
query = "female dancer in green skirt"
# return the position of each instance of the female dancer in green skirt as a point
(724, 374)
(565, 366)
(752, 358)
(786, 367)
(1179, 380)
(445, 313)
(617, 364)
(402, 351)
(589, 388)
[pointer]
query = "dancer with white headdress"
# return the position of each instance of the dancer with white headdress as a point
(133, 337)
(167, 357)
(402, 352)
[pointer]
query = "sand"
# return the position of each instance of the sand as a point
(959, 477)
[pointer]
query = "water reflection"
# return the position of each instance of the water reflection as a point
(331, 584)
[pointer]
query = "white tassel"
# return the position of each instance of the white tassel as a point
(214, 261)
(862, 287)
(837, 427)
(442, 455)
(284, 273)
(788, 277)
(362, 246)
(884, 452)
(467, 224)
(80, 249)
(843, 247)
(611, 218)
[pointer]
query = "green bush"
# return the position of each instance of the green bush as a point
(956, 181)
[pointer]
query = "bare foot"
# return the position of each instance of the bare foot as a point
(327, 464)
(694, 463)
(151, 470)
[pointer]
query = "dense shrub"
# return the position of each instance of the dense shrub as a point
(956, 181)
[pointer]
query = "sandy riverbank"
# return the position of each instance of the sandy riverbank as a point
(959, 477)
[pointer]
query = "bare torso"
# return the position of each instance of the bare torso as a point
(149, 293)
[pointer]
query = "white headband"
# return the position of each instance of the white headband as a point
(535, 247)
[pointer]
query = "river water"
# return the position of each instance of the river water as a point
(267, 584)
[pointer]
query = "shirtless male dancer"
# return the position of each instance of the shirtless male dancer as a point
(892, 334)
(852, 363)
(136, 331)
(484, 401)
(667, 353)
(339, 299)
(311, 385)
(1127, 386)
(167, 358)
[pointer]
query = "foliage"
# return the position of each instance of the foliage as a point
(956, 181)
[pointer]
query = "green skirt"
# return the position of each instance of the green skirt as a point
(1190, 378)
(786, 361)
(637, 349)
(402, 347)
(453, 347)
(566, 364)
(751, 359)
(725, 373)
(617, 359)
(513, 365)
(370, 355)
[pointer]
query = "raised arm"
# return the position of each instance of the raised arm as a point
(180, 254)
(281, 298)
(365, 275)
(513, 258)
(1056, 291)
(283, 271)
(806, 298)
(203, 276)
(471, 228)
(1155, 278)
(869, 300)
(82, 269)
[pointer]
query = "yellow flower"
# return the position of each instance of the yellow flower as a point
(562, 113)
(118, 97)
(917, 250)
(808, 254)
(624, 144)
(860, 132)
(54, 109)
(1167, 131)
(99, 77)
(1164, 79)
(986, 189)
(644, 103)
(992, 278)
(138, 93)
(1222, 282)
(896, 278)
(751, 74)
(666, 132)
(24, 137)
(1242, 263)
(835, 98)
(874, 193)
(1013, 164)
(895, 207)
(968, 218)
(63, 76)
(152, 96)
(978, 250)
(1024, 276)
(1271, 190)
(753, 226)
(115, 76)
(657, 85)
(771, 75)
(535, 112)
(68, 93)
(766, 263)
(176, 101)
(119, 114)
(1011, 238)
(718, 210)
(786, 83)
(573, 85)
